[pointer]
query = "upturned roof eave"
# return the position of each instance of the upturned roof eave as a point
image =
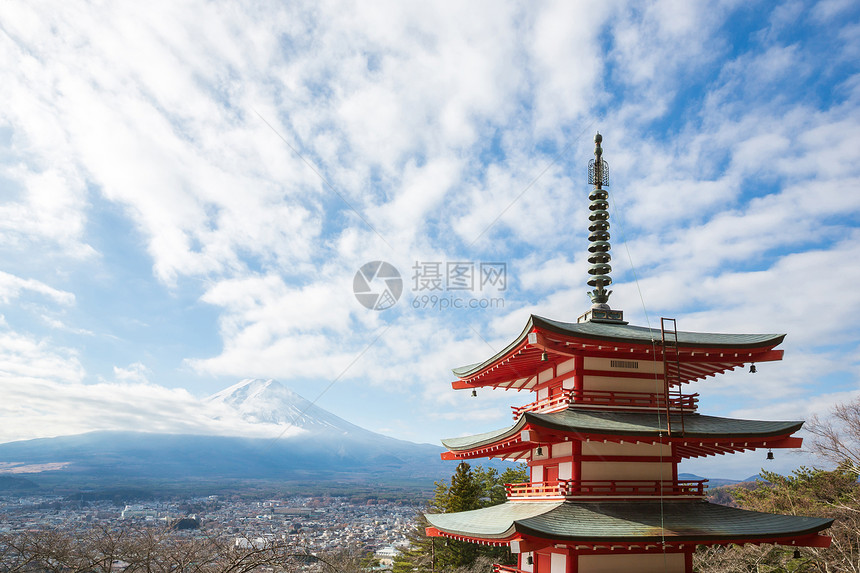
(691, 538)
(733, 428)
(494, 522)
(486, 438)
(469, 369)
(578, 330)
(697, 521)
(779, 427)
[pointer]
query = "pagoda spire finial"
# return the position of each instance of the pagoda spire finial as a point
(598, 248)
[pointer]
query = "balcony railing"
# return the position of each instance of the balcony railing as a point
(506, 569)
(685, 402)
(552, 404)
(565, 489)
(609, 399)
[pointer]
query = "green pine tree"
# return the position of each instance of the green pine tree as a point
(468, 489)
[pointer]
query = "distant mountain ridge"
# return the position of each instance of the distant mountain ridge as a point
(717, 482)
(328, 447)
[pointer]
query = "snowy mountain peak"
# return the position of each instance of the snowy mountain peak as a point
(255, 392)
(270, 402)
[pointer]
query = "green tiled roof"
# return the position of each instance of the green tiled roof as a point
(625, 521)
(612, 332)
(491, 522)
(629, 424)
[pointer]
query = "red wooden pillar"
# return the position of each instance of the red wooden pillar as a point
(572, 561)
(542, 561)
(578, 385)
(578, 367)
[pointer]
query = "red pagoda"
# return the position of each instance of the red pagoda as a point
(605, 433)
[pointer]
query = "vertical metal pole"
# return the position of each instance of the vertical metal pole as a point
(670, 344)
(663, 322)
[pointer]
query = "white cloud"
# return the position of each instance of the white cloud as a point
(11, 288)
(136, 372)
(829, 9)
(71, 408)
(45, 395)
(26, 358)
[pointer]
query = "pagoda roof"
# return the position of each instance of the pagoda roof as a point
(702, 435)
(626, 522)
(701, 353)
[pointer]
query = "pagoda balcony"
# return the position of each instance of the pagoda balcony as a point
(634, 400)
(573, 489)
(609, 399)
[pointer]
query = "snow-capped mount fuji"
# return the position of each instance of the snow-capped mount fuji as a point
(270, 402)
(325, 447)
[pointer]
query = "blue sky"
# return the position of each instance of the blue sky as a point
(187, 190)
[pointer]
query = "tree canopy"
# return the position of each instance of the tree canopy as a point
(832, 494)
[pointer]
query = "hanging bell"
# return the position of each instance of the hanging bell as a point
(797, 553)
(529, 560)
(544, 357)
(752, 369)
(769, 455)
(539, 451)
(474, 393)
